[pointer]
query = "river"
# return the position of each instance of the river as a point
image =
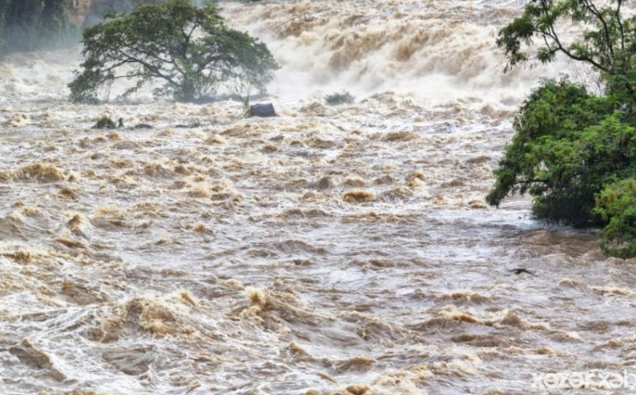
(331, 250)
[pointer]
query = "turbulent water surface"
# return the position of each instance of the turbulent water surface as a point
(330, 250)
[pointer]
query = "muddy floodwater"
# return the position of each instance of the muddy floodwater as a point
(330, 250)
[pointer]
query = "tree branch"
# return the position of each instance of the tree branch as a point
(595, 11)
(148, 66)
(621, 29)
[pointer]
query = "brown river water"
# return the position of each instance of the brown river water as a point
(330, 250)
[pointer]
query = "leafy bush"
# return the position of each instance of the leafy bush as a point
(566, 146)
(187, 48)
(335, 99)
(605, 37)
(574, 152)
(617, 204)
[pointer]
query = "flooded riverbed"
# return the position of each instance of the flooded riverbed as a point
(330, 250)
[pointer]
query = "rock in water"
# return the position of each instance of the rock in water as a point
(262, 110)
(104, 123)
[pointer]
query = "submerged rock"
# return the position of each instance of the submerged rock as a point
(262, 110)
(104, 123)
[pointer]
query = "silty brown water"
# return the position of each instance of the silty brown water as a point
(330, 250)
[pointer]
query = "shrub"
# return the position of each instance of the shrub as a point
(617, 204)
(104, 123)
(575, 153)
(335, 99)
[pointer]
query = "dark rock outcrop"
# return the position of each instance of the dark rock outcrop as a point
(262, 110)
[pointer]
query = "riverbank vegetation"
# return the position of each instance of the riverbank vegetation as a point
(27, 25)
(188, 50)
(573, 151)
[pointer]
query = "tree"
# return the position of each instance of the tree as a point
(568, 145)
(4, 6)
(27, 25)
(101, 8)
(20, 31)
(617, 205)
(186, 48)
(604, 38)
(53, 17)
(575, 152)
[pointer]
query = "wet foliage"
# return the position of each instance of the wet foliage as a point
(575, 152)
(335, 99)
(101, 8)
(605, 38)
(189, 50)
(27, 25)
(617, 204)
(568, 145)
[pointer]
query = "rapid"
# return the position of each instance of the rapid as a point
(331, 250)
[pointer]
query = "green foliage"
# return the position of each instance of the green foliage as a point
(567, 146)
(99, 9)
(27, 25)
(605, 38)
(188, 49)
(4, 6)
(617, 204)
(22, 25)
(574, 152)
(335, 99)
(53, 17)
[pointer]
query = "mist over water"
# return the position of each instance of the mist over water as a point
(433, 50)
(330, 250)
